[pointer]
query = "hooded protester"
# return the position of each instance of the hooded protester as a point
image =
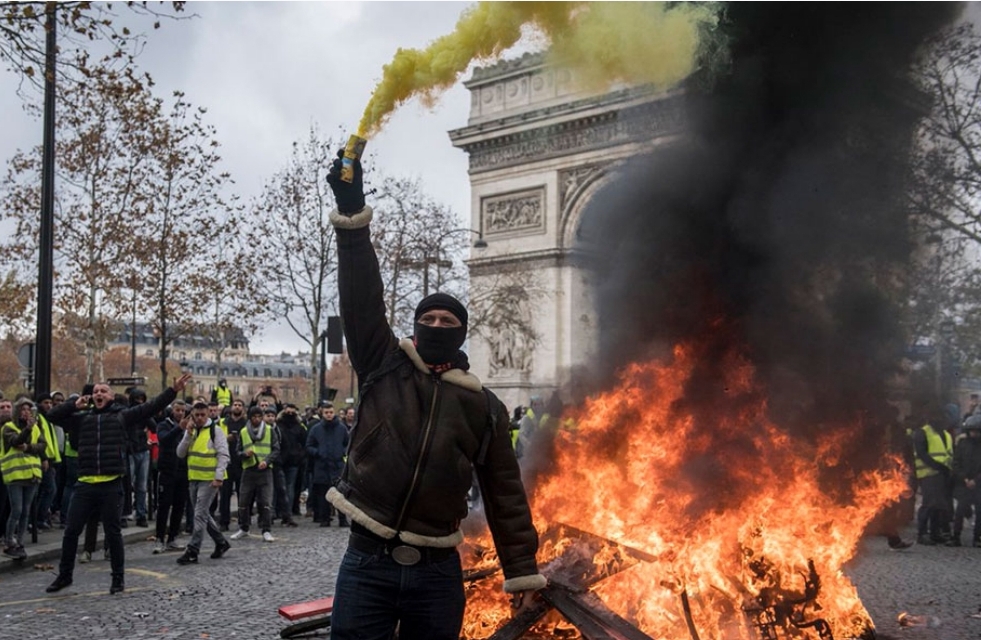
(425, 424)
(21, 447)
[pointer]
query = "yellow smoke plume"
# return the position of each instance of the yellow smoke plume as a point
(605, 42)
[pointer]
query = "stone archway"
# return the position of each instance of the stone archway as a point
(539, 149)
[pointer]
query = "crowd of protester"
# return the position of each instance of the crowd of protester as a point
(947, 464)
(280, 463)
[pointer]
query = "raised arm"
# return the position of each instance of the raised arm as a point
(369, 336)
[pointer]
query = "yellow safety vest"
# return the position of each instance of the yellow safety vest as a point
(223, 396)
(261, 448)
(50, 441)
(202, 460)
(940, 447)
(16, 464)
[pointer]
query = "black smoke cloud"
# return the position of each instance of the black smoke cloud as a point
(778, 223)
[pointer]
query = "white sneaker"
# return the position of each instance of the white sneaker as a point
(268, 537)
(159, 547)
(86, 557)
(241, 533)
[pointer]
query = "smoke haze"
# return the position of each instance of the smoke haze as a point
(778, 225)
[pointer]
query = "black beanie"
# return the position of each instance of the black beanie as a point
(442, 301)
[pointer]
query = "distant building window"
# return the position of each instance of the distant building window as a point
(235, 390)
(197, 355)
(279, 373)
(303, 374)
(200, 373)
(255, 374)
(183, 355)
(211, 371)
(149, 352)
(267, 373)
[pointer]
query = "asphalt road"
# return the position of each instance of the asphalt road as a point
(238, 595)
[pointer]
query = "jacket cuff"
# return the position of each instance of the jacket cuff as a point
(353, 221)
(525, 583)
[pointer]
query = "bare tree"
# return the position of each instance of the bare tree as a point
(84, 29)
(944, 198)
(946, 186)
(296, 260)
(175, 243)
(102, 157)
(420, 245)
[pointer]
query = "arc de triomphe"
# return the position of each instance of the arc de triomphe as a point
(540, 148)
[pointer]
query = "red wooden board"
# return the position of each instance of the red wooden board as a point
(307, 609)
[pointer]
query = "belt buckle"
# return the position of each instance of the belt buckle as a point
(406, 556)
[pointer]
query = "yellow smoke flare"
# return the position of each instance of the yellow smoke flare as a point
(605, 42)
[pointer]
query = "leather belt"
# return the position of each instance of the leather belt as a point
(406, 555)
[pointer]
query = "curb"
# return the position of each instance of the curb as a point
(48, 548)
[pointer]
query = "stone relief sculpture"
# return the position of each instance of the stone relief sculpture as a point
(514, 212)
(511, 338)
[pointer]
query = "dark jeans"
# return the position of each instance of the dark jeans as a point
(71, 477)
(258, 486)
(46, 493)
(281, 507)
(171, 496)
(318, 500)
(374, 593)
(290, 474)
(105, 499)
(232, 484)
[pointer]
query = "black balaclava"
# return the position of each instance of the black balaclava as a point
(440, 345)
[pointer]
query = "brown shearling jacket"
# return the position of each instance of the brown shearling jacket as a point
(420, 435)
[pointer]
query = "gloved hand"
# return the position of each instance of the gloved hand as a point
(348, 195)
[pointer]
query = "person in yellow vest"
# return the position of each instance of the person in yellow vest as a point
(222, 394)
(259, 446)
(933, 450)
(50, 460)
(206, 449)
(21, 448)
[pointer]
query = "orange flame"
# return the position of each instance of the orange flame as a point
(732, 507)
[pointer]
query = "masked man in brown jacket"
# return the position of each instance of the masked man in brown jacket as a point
(425, 424)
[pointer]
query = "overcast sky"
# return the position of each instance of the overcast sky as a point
(266, 71)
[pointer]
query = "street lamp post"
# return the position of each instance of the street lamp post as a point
(45, 285)
(427, 260)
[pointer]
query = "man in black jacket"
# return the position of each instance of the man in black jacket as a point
(425, 424)
(172, 482)
(967, 476)
(326, 444)
(99, 432)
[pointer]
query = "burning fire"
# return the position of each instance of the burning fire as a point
(746, 523)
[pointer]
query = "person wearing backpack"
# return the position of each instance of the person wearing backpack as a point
(206, 449)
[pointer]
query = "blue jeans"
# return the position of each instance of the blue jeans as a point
(139, 471)
(374, 593)
(20, 496)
